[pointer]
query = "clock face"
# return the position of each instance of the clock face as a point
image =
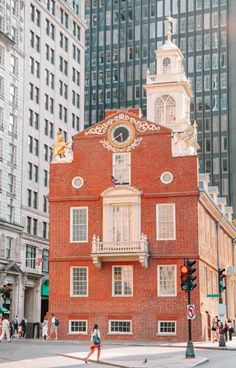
(121, 134)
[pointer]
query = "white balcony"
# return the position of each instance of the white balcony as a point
(178, 77)
(120, 251)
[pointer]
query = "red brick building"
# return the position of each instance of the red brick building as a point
(125, 210)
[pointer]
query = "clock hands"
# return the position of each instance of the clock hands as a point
(119, 136)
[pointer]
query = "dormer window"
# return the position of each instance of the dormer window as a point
(165, 110)
(166, 66)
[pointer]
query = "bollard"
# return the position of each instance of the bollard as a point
(222, 340)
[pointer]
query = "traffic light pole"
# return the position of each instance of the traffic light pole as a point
(190, 349)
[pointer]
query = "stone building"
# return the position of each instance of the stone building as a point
(41, 91)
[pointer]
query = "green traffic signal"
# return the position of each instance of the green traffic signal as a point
(222, 287)
(191, 270)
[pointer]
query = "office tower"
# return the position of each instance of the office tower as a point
(121, 43)
(52, 98)
(11, 145)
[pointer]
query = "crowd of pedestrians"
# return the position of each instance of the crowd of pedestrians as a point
(218, 328)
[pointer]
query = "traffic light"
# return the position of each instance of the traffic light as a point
(184, 278)
(191, 278)
(222, 287)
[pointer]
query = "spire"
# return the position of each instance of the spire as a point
(170, 22)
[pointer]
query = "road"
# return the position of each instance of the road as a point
(38, 354)
(219, 359)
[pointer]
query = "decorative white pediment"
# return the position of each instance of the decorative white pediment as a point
(121, 191)
(141, 126)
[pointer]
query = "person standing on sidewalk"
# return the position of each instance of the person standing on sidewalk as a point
(45, 328)
(54, 326)
(231, 329)
(215, 329)
(95, 343)
(225, 330)
(23, 324)
(5, 330)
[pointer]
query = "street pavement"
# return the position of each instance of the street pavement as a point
(65, 354)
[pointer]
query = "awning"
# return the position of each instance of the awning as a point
(4, 310)
(45, 288)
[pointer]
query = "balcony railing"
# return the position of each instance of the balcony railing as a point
(108, 251)
(178, 77)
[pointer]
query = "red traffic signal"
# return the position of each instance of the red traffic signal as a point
(184, 278)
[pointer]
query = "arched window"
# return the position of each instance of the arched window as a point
(166, 66)
(165, 110)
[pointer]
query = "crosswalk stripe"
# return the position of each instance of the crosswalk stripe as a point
(48, 362)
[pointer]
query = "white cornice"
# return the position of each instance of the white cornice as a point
(210, 206)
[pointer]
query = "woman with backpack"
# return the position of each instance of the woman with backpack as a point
(54, 326)
(95, 343)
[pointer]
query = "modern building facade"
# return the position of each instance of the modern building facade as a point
(121, 40)
(133, 210)
(51, 98)
(11, 148)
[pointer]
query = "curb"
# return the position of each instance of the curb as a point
(203, 361)
(94, 361)
(203, 347)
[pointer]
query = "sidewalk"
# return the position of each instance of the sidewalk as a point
(230, 345)
(143, 356)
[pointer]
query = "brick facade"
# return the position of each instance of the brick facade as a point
(149, 159)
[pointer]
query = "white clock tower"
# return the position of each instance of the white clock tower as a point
(169, 91)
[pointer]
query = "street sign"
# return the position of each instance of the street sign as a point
(213, 295)
(191, 311)
(222, 310)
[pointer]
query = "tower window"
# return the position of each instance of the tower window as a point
(166, 66)
(165, 110)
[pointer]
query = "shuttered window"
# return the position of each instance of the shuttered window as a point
(79, 281)
(165, 221)
(79, 224)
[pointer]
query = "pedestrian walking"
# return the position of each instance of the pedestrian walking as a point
(5, 330)
(15, 325)
(95, 343)
(45, 328)
(54, 326)
(215, 329)
(23, 324)
(225, 331)
(20, 330)
(231, 329)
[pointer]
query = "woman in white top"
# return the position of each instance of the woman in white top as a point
(95, 343)
(45, 329)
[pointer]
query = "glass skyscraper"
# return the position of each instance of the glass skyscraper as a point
(122, 37)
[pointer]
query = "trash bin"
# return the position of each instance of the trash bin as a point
(36, 330)
(29, 330)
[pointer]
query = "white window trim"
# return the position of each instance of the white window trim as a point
(120, 333)
(157, 222)
(121, 196)
(77, 332)
(128, 154)
(158, 279)
(122, 295)
(71, 282)
(166, 333)
(71, 225)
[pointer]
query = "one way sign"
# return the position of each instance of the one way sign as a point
(190, 311)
